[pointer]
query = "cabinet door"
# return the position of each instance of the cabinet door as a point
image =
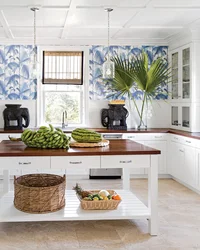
(185, 74)
(135, 137)
(175, 76)
(197, 168)
(189, 166)
(162, 158)
(176, 160)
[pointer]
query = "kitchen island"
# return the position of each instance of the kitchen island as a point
(16, 158)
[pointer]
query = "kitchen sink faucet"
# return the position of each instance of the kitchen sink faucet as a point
(64, 119)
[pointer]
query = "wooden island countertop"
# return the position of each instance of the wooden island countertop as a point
(116, 147)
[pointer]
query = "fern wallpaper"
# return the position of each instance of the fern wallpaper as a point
(15, 73)
(99, 90)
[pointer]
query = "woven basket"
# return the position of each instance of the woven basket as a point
(39, 193)
(101, 204)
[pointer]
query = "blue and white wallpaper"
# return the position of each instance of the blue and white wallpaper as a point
(15, 73)
(98, 90)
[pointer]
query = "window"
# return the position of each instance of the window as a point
(63, 87)
(63, 67)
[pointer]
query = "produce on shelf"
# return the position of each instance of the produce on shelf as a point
(80, 192)
(46, 137)
(94, 196)
(85, 135)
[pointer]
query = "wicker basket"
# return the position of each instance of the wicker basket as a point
(39, 193)
(101, 204)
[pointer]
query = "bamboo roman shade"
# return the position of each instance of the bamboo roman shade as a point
(63, 67)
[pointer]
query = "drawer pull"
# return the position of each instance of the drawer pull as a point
(188, 141)
(158, 136)
(182, 151)
(24, 163)
(130, 161)
(131, 137)
(75, 162)
(176, 138)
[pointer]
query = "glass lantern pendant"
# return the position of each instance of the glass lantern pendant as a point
(108, 69)
(108, 66)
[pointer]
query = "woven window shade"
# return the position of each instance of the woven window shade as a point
(63, 67)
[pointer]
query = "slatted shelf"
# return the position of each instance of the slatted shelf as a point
(130, 208)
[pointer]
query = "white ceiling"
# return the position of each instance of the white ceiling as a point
(85, 21)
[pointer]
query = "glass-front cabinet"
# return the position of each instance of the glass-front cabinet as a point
(186, 73)
(181, 82)
(180, 116)
(175, 82)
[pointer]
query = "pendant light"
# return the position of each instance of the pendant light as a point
(108, 66)
(34, 73)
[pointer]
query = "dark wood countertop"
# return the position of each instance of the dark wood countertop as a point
(116, 147)
(130, 130)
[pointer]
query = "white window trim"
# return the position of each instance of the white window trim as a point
(40, 87)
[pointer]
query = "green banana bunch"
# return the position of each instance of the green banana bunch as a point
(46, 137)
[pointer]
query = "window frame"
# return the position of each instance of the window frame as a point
(84, 110)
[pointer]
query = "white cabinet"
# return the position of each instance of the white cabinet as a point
(184, 88)
(153, 140)
(197, 168)
(181, 116)
(162, 158)
(72, 163)
(181, 164)
(25, 164)
(181, 74)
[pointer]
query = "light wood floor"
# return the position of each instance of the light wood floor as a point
(179, 216)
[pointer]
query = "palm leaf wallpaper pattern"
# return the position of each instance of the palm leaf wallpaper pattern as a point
(15, 73)
(99, 90)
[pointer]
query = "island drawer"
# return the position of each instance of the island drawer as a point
(128, 161)
(15, 164)
(73, 162)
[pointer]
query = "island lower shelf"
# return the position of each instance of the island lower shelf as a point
(130, 208)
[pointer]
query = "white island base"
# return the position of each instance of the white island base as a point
(125, 154)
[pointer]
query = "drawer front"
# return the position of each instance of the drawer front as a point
(125, 161)
(24, 163)
(75, 162)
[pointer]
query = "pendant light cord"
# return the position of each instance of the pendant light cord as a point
(108, 34)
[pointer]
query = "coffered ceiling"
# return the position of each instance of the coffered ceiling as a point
(85, 21)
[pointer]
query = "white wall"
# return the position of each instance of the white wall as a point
(160, 114)
(30, 104)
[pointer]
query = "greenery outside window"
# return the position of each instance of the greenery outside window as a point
(63, 90)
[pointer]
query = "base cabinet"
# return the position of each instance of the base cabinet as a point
(182, 163)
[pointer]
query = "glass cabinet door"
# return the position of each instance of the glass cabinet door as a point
(175, 75)
(174, 114)
(186, 73)
(186, 117)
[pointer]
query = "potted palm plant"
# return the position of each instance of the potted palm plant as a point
(138, 74)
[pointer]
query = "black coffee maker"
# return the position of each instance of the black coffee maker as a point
(13, 112)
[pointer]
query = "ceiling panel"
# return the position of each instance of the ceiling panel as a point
(100, 17)
(145, 33)
(57, 2)
(112, 3)
(176, 3)
(164, 17)
(92, 33)
(21, 2)
(2, 33)
(44, 17)
(28, 33)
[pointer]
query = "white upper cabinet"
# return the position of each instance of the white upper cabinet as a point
(181, 76)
